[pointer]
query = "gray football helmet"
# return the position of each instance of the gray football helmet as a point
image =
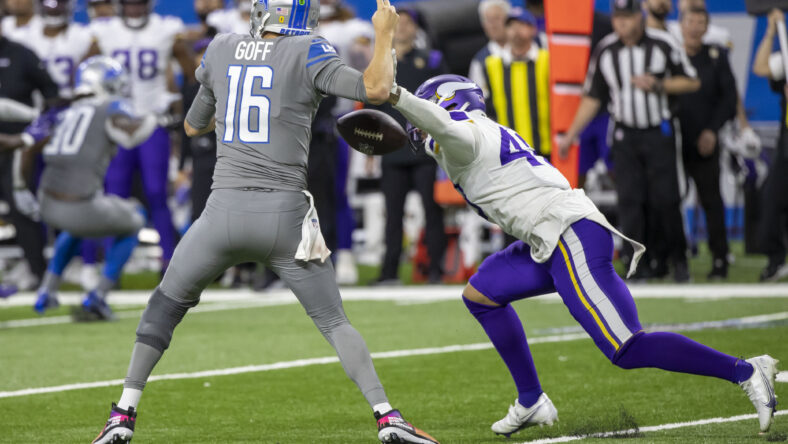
(286, 17)
(101, 76)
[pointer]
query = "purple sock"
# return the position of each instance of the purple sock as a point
(506, 333)
(677, 353)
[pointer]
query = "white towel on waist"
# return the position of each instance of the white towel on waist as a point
(312, 245)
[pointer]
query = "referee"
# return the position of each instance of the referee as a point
(21, 74)
(633, 71)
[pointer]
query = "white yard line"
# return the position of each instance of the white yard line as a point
(379, 355)
(428, 294)
(782, 377)
(656, 428)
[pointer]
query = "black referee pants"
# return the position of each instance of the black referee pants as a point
(649, 203)
(706, 175)
(321, 182)
(396, 182)
(203, 165)
(29, 234)
(774, 206)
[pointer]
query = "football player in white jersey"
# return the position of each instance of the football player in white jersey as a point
(146, 43)
(21, 21)
(565, 246)
(231, 21)
(59, 43)
(100, 10)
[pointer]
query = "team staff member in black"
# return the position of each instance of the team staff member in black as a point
(633, 70)
(403, 170)
(774, 195)
(22, 73)
(702, 114)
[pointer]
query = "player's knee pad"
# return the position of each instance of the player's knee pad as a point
(622, 358)
(478, 309)
(160, 318)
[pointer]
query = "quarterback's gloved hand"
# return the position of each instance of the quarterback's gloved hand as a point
(27, 204)
(170, 121)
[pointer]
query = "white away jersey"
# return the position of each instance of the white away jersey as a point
(62, 54)
(500, 175)
(21, 34)
(228, 21)
(146, 53)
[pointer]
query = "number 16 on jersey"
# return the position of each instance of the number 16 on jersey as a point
(241, 82)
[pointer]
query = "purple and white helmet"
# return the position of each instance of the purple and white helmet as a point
(450, 91)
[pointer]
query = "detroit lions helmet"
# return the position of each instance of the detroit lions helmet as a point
(450, 91)
(286, 17)
(135, 13)
(101, 76)
(56, 13)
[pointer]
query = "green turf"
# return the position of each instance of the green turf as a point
(454, 396)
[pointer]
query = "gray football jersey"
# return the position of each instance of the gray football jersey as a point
(266, 94)
(78, 155)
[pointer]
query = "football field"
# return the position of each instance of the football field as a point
(251, 367)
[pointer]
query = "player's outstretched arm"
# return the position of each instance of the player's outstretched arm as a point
(458, 139)
(379, 75)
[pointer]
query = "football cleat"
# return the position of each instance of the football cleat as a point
(45, 302)
(519, 417)
(94, 304)
(392, 428)
(119, 428)
(760, 388)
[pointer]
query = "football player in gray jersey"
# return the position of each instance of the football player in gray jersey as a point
(71, 191)
(260, 93)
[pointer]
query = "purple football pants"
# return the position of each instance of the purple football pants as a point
(151, 159)
(581, 271)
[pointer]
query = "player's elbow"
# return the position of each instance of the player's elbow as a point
(190, 130)
(377, 95)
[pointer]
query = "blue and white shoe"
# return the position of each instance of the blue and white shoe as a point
(45, 302)
(96, 305)
(7, 290)
(760, 389)
(542, 413)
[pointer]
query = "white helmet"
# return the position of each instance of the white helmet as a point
(101, 76)
(286, 17)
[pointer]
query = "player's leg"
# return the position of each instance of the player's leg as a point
(154, 158)
(424, 183)
(630, 177)
(200, 257)
(394, 184)
(66, 247)
(505, 277)
(599, 300)
(314, 284)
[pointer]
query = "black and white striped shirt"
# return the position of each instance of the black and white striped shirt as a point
(613, 65)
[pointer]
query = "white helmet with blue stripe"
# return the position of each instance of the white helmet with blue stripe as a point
(286, 17)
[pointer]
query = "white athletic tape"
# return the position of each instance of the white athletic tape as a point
(782, 377)
(656, 428)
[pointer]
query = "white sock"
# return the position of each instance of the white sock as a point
(129, 398)
(382, 408)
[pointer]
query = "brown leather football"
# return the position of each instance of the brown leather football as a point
(372, 132)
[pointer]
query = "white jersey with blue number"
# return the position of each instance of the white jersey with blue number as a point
(146, 53)
(62, 53)
(499, 175)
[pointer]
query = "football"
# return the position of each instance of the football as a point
(372, 132)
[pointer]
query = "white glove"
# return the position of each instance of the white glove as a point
(27, 204)
(750, 142)
(394, 85)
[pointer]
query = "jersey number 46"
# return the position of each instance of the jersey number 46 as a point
(241, 82)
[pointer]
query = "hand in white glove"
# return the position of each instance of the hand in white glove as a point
(27, 204)
(751, 143)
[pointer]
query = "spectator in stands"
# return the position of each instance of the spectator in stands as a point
(493, 14)
(644, 151)
(702, 115)
(403, 170)
(774, 196)
(22, 75)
